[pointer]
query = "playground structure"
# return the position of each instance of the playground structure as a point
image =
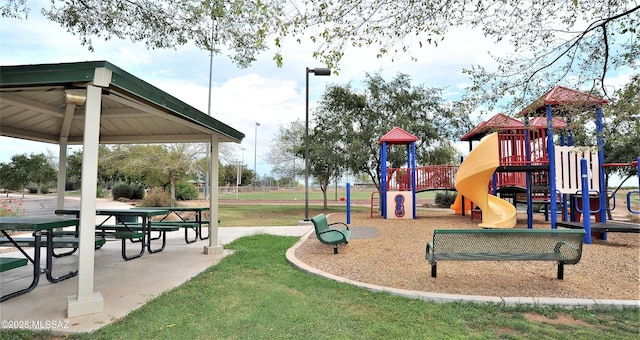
(531, 165)
(531, 168)
(400, 185)
(471, 181)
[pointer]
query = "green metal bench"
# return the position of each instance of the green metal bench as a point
(559, 245)
(123, 235)
(57, 242)
(8, 263)
(328, 235)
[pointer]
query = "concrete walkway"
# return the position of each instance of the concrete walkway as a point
(124, 285)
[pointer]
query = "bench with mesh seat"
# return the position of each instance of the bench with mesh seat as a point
(560, 245)
(328, 235)
(8, 263)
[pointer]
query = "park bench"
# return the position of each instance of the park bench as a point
(560, 245)
(8, 263)
(123, 235)
(186, 224)
(57, 242)
(330, 236)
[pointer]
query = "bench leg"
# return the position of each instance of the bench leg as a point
(36, 268)
(335, 248)
(49, 263)
(561, 270)
(124, 249)
(434, 269)
(186, 235)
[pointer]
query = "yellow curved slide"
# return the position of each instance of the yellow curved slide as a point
(472, 181)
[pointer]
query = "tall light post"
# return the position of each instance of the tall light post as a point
(255, 157)
(317, 72)
(239, 173)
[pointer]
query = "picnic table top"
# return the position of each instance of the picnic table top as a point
(36, 223)
(176, 208)
(145, 212)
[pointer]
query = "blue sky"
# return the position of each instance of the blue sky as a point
(262, 93)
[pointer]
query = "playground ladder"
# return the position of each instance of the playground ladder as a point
(375, 202)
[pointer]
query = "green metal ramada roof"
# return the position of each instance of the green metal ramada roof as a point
(16, 79)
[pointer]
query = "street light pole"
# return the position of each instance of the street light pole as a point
(255, 157)
(316, 72)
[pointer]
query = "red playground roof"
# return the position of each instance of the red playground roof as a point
(562, 96)
(502, 122)
(398, 136)
(541, 123)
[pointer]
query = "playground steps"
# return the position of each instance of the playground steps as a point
(375, 203)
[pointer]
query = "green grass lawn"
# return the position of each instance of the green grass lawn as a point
(256, 294)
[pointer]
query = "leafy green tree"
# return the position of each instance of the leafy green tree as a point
(230, 172)
(326, 160)
(361, 119)
(74, 167)
(578, 42)
(23, 170)
(40, 171)
(621, 129)
(286, 155)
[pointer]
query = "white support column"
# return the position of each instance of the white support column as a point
(213, 247)
(87, 301)
(62, 172)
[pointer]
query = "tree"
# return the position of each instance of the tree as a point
(326, 160)
(40, 171)
(361, 119)
(155, 165)
(74, 167)
(553, 41)
(286, 155)
(23, 170)
(622, 128)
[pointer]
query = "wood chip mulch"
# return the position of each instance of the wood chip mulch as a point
(395, 257)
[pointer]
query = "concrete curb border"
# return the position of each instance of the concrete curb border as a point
(444, 298)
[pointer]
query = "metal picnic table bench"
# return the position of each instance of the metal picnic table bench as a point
(563, 246)
(125, 230)
(38, 226)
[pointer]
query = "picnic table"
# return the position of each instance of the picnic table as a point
(38, 226)
(124, 228)
(185, 222)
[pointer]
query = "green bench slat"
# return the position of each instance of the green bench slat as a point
(8, 263)
(179, 224)
(119, 234)
(58, 242)
(138, 227)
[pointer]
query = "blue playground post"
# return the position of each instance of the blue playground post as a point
(348, 203)
(552, 169)
(586, 212)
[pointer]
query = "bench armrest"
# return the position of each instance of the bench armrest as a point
(339, 223)
(577, 250)
(334, 231)
(429, 249)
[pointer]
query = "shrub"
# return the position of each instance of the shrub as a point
(100, 193)
(186, 191)
(444, 200)
(138, 191)
(157, 198)
(121, 190)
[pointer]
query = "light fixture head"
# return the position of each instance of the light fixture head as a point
(75, 97)
(320, 71)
